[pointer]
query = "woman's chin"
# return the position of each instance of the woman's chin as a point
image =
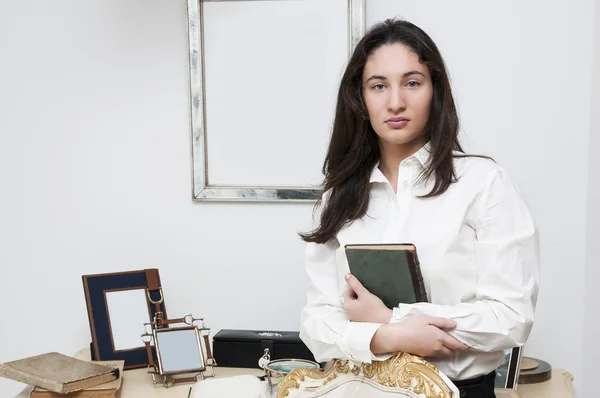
(400, 138)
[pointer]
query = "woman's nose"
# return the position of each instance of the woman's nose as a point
(396, 101)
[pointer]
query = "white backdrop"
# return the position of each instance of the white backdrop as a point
(257, 133)
(95, 166)
(591, 351)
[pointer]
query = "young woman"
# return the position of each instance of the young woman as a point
(395, 172)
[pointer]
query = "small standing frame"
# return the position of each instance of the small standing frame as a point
(183, 352)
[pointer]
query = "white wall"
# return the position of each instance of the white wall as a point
(591, 325)
(95, 171)
(95, 167)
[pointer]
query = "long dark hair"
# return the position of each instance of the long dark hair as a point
(354, 150)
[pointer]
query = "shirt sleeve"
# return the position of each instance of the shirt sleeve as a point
(507, 261)
(325, 329)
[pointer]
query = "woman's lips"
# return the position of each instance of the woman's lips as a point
(397, 123)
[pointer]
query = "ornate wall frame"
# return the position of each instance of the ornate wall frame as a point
(202, 190)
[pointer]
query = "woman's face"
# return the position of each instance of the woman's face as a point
(397, 91)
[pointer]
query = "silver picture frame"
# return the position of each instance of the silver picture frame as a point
(177, 349)
(202, 189)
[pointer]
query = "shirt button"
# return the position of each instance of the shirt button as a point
(405, 184)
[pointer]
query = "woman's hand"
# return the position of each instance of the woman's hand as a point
(419, 335)
(363, 306)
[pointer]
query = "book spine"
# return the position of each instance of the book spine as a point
(32, 380)
(112, 393)
(417, 276)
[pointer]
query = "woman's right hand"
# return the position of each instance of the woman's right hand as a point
(419, 335)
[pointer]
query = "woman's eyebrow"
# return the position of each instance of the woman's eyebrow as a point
(376, 77)
(407, 74)
(413, 72)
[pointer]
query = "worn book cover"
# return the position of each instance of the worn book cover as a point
(111, 389)
(390, 271)
(58, 373)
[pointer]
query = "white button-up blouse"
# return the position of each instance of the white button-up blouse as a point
(478, 248)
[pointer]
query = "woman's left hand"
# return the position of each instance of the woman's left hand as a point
(363, 306)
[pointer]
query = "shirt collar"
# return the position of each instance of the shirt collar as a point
(422, 156)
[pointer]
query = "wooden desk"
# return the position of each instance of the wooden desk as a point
(560, 385)
(137, 383)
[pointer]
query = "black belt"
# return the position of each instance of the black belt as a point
(477, 387)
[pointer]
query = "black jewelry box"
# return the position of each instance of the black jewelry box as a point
(234, 348)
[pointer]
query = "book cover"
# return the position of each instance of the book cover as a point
(392, 272)
(58, 373)
(111, 389)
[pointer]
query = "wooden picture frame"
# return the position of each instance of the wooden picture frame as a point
(118, 305)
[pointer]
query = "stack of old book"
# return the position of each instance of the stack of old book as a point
(55, 375)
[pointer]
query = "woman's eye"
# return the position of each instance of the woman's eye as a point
(379, 87)
(413, 84)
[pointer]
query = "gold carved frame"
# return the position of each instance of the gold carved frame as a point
(402, 370)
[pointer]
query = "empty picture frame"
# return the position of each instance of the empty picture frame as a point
(118, 305)
(263, 84)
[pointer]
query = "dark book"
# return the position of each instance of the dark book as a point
(391, 271)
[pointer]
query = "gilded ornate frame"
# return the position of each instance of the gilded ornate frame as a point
(202, 190)
(403, 370)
